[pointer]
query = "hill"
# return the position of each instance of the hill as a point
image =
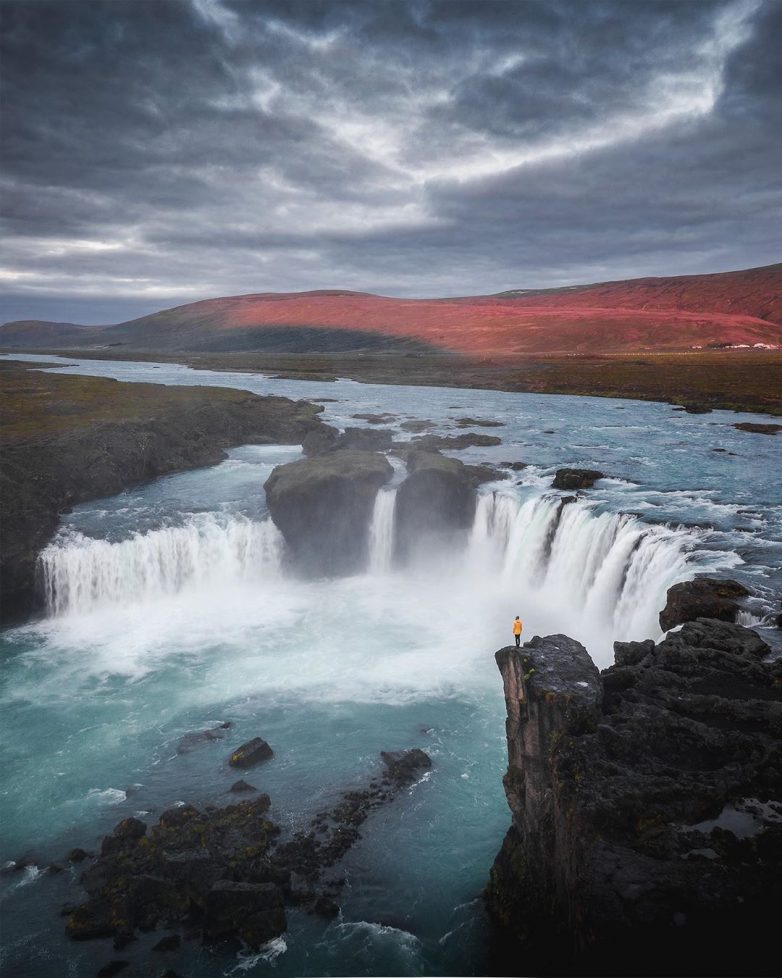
(650, 314)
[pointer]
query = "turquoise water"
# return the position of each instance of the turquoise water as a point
(96, 697)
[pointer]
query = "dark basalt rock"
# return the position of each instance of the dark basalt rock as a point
(692, 408)
(220, 872)
(478, 474)
(170, 943)
(702, 598)
(128, 830)
(112, 968)
(758, 429)
(479, 423)
(576, 478)
(449, 443)
(323, 506)
(333, 831)
(384, 418)
(240, 787)
(198, 738)
(416, 425)
(320, 440)
(515, 466)
(626, 789)
(404, 767)
(251, 753)
(365, 439)
(327, 439)
(166, 874)
(253, 912)
(435, 504)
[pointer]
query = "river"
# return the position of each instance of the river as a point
(170, 612)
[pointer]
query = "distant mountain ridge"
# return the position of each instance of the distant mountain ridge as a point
(670, 313)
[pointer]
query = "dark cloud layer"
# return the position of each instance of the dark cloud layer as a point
(160, 151)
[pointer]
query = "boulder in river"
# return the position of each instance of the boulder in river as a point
(404, 767)
(251, 753)
(704, 597)
(242, 787)
(365, 439)
(758, 429)
(576, 478)
(435, 504)
(323, 506)
(450, 443)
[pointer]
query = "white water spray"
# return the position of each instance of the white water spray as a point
(607, 571)
(381, 532)
(80, 573)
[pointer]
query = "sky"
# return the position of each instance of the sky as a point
(156, 152)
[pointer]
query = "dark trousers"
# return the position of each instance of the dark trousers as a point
(518, 640)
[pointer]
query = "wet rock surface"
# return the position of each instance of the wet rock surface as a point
(704, 597)
(647, 807)
(479, 423)
(329, 439)
(323, 504)
(224, 873)
(251, 753)
(450, 443)
(758, 429)
(576, 478)
(199, 738)
(434, 504)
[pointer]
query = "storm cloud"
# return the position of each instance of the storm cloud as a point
(160, 151)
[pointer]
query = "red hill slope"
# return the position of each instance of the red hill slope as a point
(643, 314)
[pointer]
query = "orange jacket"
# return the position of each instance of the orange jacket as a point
(517, 627)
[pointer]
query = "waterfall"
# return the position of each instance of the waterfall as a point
(381, 531)
(80, 573)
(608, 572)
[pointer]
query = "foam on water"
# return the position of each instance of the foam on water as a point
(80, 573)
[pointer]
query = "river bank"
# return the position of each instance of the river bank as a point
(735, 380)
(69, 439)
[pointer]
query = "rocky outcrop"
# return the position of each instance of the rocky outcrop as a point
(323, 505)
(435, 504)
(172, 872)
(221, 873)
(328, 439)
(365, 439)
(647, 807)
(67, 440)
(448, 443)
(758, 429)
(704, 597)
(576, 478)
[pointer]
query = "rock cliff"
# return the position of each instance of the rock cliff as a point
(435, 503)
(323, 505)
(647, 807)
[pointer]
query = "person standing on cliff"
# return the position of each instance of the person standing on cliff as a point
(517, 626)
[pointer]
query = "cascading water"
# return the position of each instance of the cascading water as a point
(608, 571)
(381, 532)
(80, 573)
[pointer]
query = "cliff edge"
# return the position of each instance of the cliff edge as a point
(647, 807)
